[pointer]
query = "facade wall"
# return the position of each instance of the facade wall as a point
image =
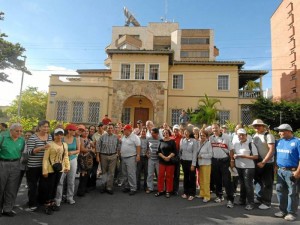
(285, 25)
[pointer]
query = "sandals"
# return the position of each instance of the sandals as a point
(168, 195)
(184, 196)
(158, 194)
(190, 198)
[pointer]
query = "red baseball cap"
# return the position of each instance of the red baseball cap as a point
(71, 127)
(127, 127)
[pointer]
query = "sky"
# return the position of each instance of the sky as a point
(62, 36)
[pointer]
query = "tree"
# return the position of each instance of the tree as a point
(252, 85)
(207, 111)
(274, 113)
(9, 56)
(33, 104)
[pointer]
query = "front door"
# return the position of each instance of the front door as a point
(141, 114)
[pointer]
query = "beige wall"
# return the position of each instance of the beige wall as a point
(285, 26)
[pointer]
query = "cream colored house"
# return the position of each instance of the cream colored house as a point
(285, 35)
(154, 72)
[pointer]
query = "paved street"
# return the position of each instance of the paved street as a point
(120, 208)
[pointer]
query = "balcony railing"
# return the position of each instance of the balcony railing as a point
(249, 94)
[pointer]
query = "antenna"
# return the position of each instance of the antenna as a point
(130, 19)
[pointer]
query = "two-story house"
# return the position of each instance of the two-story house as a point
(154, 72)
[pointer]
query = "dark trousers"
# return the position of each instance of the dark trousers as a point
(51, 186)
(265, 178)
(176, 177)
(93, 175)
(222, 177)
(246, 177)
(36, 184)
(189, 178)
(83, 183)
(142, 168)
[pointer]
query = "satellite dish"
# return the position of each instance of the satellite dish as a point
(130, 19)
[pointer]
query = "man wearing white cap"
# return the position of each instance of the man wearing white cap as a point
(264, 171)
(244, 154)
(288, 174)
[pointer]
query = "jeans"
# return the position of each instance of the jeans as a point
(246, 176)
(222, 177)
(287, 192)
(152, 166)
(189, 178)
(70, 176)
(265, 178)
(142, 167)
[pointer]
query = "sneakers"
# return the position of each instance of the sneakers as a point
(71, 201)
(230, 204)
(219, 199)
(31, 209)
(205, 200)
(280, 214)
(249, 207)
(9, 214)
(290, 217)
(148, 191)
(263, 207)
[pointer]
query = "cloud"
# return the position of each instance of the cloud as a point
(263, 65)
(39, 78)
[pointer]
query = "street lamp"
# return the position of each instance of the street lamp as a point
(20, 96)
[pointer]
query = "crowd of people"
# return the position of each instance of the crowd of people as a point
(121, 155)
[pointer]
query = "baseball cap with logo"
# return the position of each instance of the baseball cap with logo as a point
(241, 131)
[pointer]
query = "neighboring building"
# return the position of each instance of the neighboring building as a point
(285, 31)
(155, 72)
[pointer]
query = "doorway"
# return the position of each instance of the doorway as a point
(141, 114)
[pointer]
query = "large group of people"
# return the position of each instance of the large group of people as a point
(121, 155)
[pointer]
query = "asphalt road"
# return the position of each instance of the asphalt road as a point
(120, 208)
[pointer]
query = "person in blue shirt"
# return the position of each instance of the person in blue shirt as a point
(288, 174)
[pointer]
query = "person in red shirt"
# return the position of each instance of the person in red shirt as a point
(106, 120)
(176, 136)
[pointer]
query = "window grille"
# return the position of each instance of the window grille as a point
(126, 115)
(62, 110)
(77, 112)
(175, 116)
(246, 116)
(94, 112)
(223, 117)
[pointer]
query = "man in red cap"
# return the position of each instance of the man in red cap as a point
(130, 154)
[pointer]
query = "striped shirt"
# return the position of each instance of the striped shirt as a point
(108, 144)
(143, 146)
(36, 159)
(153, 147)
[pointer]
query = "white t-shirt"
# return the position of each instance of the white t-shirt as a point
(221, 146)
(243, 149)
(129, 144)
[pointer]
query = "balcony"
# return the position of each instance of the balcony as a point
(249, 94)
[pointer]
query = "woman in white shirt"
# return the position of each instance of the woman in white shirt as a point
(204, 156)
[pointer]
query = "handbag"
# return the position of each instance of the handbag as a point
(57, 167)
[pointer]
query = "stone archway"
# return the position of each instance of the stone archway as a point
(152, 91)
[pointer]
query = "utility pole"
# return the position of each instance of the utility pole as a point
(20, 96)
